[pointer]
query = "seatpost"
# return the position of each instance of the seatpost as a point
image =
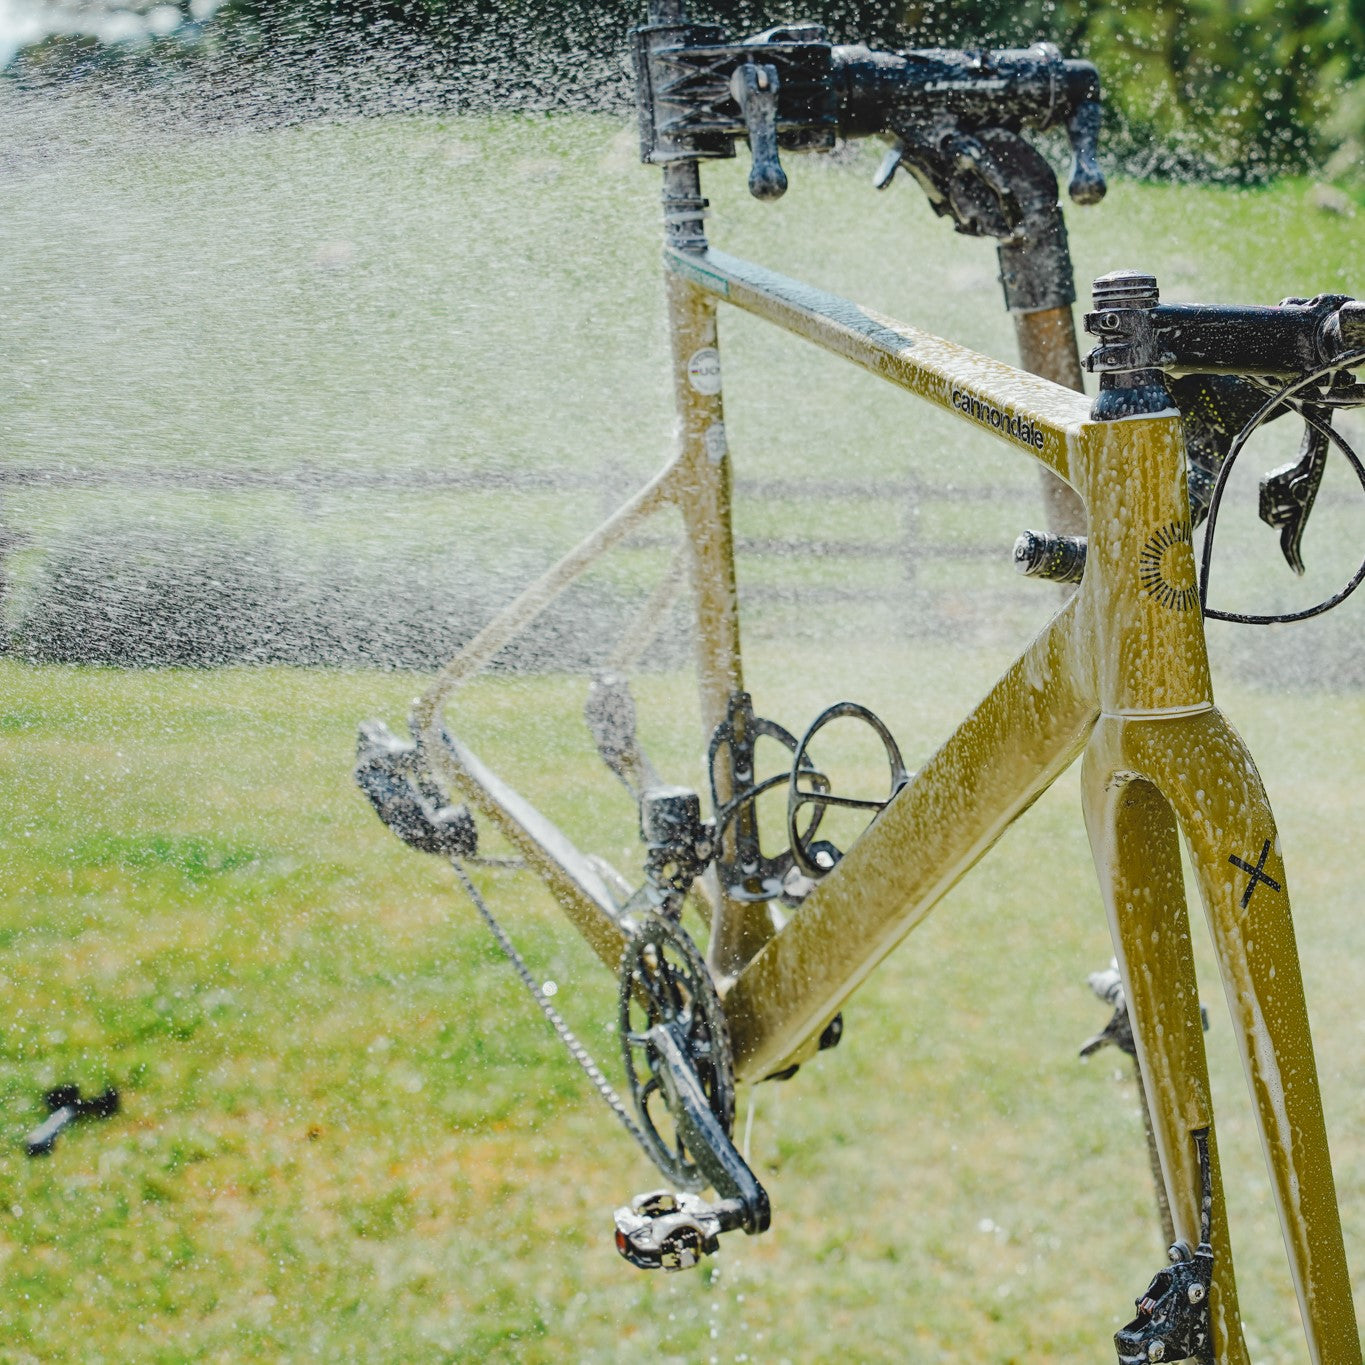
(1046, 338)
(1039, 283)
(683, 204)
(739, 929)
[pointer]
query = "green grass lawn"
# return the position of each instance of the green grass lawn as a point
(347, 1136)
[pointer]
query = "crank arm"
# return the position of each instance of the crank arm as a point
(703, 1135)
(667, 1231)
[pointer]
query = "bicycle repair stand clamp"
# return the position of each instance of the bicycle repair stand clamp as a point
(954, 120)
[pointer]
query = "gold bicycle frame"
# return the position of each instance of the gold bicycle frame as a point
(1120, 676)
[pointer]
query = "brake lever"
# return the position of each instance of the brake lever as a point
(754, 87)
(1288, 492)
(1086, 185)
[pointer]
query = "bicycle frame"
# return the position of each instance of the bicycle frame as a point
(1120, 676)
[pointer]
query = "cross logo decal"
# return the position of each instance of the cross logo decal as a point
(1257, 873)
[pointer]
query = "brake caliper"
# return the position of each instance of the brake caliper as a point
(1172, 1321)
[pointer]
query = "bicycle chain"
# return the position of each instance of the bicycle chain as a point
(566, 1035)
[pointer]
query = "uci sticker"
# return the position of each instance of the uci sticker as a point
(714, 441)
(703, 371)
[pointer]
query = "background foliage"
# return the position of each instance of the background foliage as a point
(1242, 90)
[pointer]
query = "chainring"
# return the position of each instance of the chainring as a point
(664, 980)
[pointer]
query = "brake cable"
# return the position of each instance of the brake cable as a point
(1282, 397)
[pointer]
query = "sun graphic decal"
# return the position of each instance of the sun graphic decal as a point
(1166, 568)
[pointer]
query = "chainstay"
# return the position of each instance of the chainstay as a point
(566, 1035)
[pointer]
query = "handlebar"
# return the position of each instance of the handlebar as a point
(697, 96)
(1228, 369)
(1011, 88)
(1137, 332)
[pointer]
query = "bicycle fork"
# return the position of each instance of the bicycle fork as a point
(1134, 789)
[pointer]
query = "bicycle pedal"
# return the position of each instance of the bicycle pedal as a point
(663, 1230)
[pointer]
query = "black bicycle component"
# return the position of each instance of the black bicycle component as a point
(1220, 366)
(1118, 1032)
(1289, 492)
(1137, 332)
(691, 100)
(66, 1106)
(1057, 559)
(1214, 408)
(679, 844)
(955, 118)
(407, 799)
(816, 858)
(677, 1055)
(830, 1037)
(611, 717)
(1325, 382)
(1172, 1321)
(754, 88)
(747, 873)
(667, 1231)
(702, 1135)
(687, 98)
(1131, 379)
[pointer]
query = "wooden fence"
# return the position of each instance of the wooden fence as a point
(933, 584)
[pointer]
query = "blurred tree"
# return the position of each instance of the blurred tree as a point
(1243, 89)
(1246, 88)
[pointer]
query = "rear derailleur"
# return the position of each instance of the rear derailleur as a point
(393, 775)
